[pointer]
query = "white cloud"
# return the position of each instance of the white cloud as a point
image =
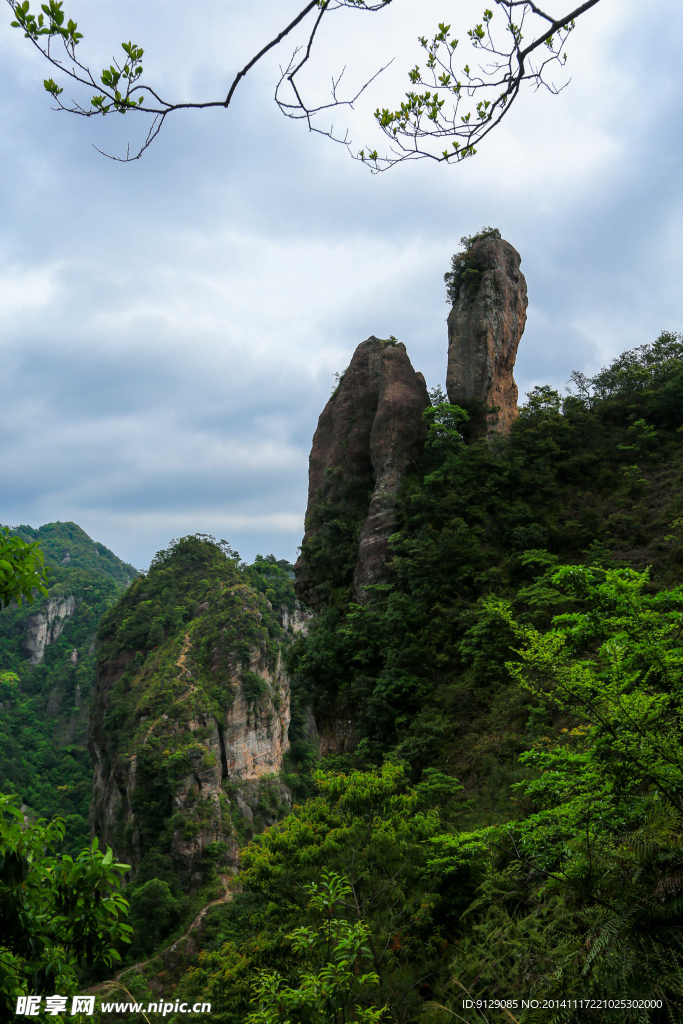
(24, 293)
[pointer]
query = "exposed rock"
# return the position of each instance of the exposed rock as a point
(337, 735)
(186, 735)
(255, 732)
(53, 703)
(244, 808)
(484, 329)
(297, 620)
(368, 437)
(311, 729)
(45, 627)
(245, 744)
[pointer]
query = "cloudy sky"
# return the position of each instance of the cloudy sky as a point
(169, 329)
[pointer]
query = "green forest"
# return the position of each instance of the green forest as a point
(507, 824)
(44, 720)
(341, 561)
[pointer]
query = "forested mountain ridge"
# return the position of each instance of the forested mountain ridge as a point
(501, 807)
(456, 789)
(551, 695)
(47, 667)
(67, 545)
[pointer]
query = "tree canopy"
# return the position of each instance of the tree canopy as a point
(21, 569)
(57, 913)
(375, 900)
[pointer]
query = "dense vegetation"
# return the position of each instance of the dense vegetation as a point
(57, 914)
(44, 705)
(198, 631)
(466, 268)
(22, 569)
(510, 822)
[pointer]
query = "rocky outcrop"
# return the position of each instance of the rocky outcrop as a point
(237, 748)
(253, 733)
(240, 748)
(369, 435)
(337, 734)
(46, 626)
(295, 620)
(484, 329)
(188, 737)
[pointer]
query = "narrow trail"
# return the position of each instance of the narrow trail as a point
(113, 982)
(183, 653)
(225, 898)
(182, 658)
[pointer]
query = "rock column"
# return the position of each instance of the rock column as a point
(484, 330)
(368, 437)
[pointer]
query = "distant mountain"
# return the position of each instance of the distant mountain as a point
(66, 545)
(47, 670)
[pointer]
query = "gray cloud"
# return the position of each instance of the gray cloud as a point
(169, 329)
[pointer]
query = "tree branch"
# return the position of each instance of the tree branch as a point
(416, 129)
(278, 38)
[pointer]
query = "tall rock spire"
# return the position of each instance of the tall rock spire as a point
(368, 437)
(484, 329)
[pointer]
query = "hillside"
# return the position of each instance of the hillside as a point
(591, 480)
(434, 771)
(502, 819)
(47, 667)
(189, 726)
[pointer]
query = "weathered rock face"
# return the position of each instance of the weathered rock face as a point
(368, 437)
(254, 732)
(188, 735)
(484, 329)
(45, 627)
(235, 749)
(337, 734)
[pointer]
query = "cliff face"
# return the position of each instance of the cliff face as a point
(218, 754)
(46, 626)
(188, 735)
(484, 330)
(368, 437)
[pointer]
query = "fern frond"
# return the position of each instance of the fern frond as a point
(669, 886)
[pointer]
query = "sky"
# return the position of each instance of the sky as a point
(170, 328)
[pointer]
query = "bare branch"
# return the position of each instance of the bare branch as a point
(278, 38)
